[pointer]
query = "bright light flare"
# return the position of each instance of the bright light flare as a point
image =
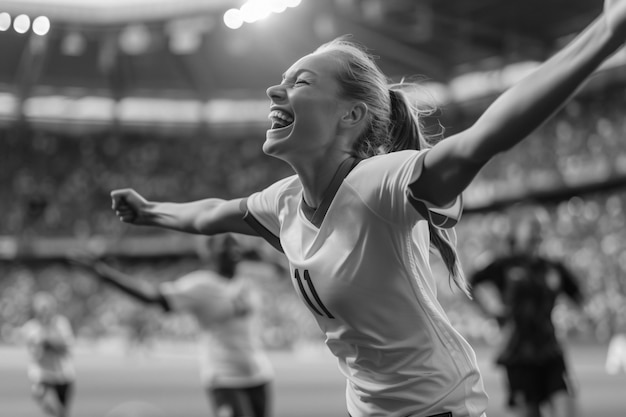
(278, 6)
(5, 21)
(21, 24)
(255, 10)
(73, 44)
(233, 19)
(135, 39)
(41, 25)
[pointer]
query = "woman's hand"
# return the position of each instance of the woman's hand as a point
(130, 206)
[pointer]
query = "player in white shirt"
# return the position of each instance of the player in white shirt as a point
(235, 369)
(49, 339)
(368, 201)
(370, 301)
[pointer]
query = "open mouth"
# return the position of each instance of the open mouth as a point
(280, 119)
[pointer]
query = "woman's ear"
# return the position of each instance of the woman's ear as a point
(355, 115)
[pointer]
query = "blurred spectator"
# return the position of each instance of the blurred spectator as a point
(52, 174)
(49, 339)
(616, 353)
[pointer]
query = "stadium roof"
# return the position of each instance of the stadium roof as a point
(182, 49)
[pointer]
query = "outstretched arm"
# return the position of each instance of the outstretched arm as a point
(209, 216)
(484, 286)
(453, 163)
(141, 291)
(570, 284)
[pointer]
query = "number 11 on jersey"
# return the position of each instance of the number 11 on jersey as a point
(316, 304)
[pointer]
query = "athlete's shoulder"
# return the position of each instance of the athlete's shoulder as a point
(270, 198)
(392, 158)
(286, 184)
(388, 164)
(373, 172)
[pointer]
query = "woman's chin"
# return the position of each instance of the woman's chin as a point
(274, 139)
(280, 133)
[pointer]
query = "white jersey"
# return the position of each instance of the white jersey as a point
(49, 346)
(232, 355)
(365, 276)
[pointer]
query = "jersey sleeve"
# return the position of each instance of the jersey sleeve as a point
(262, 211)
(201, 294)
(442, 217)
(398, 171)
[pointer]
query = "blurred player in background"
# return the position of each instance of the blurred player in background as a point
(49, 339)
(527, 286)
(616, 352)
(235, 370)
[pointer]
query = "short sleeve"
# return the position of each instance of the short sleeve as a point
(392, 196)
(262, 211)
(200, 293)
(442, 217)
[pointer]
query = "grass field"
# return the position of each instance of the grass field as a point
(165, 383)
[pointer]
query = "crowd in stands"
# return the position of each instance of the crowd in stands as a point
(58, 185)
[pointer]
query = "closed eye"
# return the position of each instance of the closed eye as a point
(300, 78)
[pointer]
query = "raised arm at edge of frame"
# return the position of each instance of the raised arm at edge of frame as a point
(453, 163)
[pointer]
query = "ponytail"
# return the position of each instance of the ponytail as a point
(409, 105)
(404, 127)
(441, 240)
(405, 132)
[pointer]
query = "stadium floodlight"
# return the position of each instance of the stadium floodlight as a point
(41, 25)
(5, 21)
(21, 24)
(135, 39)
(73, 44)
(233, 18)
(255, 10)
(278, 6)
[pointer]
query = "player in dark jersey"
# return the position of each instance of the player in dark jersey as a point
(528, 286)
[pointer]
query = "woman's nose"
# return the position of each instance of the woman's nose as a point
(276, 93)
